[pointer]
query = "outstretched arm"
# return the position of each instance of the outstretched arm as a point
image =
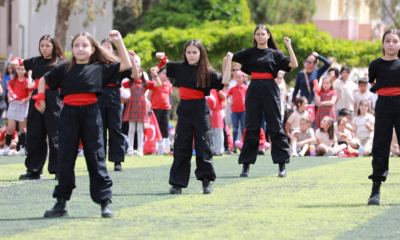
(226, 68)
(135, 72)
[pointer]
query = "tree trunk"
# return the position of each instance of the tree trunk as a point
(64, 9)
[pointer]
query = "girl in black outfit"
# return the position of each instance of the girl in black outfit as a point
(263, 61)
(111, 111)
(384, 75)
(41, 127)
(195, 78)
(81, 81)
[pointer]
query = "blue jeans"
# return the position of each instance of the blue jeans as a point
(236, 118)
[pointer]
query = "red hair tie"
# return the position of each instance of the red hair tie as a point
(163, 61)
(19, 60)
(39, 98)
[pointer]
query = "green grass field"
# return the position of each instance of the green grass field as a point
(322, 198)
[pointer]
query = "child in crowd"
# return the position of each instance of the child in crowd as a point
(363, 94)
(136, 112)
(238, 109)
(325, 100)
(215, 102)
(293, 123)
(343, 134)
(19, 93)
(345, 89)
(363, 127)
(14, 141)
(161, 103)
(264, 145)
(394, 146)
(327, 141)
(306, 137)
(282, 90)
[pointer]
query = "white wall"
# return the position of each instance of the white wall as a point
(40, 23)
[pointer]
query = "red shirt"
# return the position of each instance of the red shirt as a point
(388, 91)
(190, 94)
(161, 96)
(238, 98)
(3, 135)
(18, 89)
(215, 103)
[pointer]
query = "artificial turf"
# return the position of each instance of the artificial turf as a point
(322, 198)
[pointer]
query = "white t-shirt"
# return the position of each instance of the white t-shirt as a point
(360, 121)
(294, 119)
(346, 133)
(358, 97)
(324, 138)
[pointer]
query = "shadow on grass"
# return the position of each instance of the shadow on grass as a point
(343, 205)
(230, 177)
(142, 194)
(40, 218)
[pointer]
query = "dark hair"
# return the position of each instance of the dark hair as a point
(144, 82)
(359, 105)
(13, 70)
(335, 70)
(99, 54)
(58, 51)
(330, 131)
(204, 69)
(162, 69)
(114, 47)
(392, 31)
(344, 112)
(300, 101)
(271, 43)
(345, 68)
(362, 80)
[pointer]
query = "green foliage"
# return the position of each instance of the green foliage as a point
(192, 13)
(219, 38)
(277, 11)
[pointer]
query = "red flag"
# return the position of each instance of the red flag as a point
(311, 111)
(152, 135)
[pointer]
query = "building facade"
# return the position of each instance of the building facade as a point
(21, 26)
(348, 19)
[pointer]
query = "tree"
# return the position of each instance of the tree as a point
(189, 13)
(278, 11)
(92, 8)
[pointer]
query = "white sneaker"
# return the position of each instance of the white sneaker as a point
(140, 153)
(6, 150)
(129, 152)
(22, 151)
(294, 155)
(329, 154)
(81, 153)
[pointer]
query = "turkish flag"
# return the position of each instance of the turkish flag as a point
(152, 135)
(311, 111)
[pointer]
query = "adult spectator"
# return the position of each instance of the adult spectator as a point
(304, 80)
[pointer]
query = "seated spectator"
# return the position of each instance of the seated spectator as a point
(305, 137)
(394, 146)
(363, 127)
(14, 141)
(293, 123)
(326, 138)
(343, 134)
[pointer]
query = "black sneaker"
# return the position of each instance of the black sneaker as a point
(234, 151)
(374, 199)
(282, 170)
(29, 176)
(59, 210)
(175, 190)
(106, 210)
(117, 166)
(245, 170)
